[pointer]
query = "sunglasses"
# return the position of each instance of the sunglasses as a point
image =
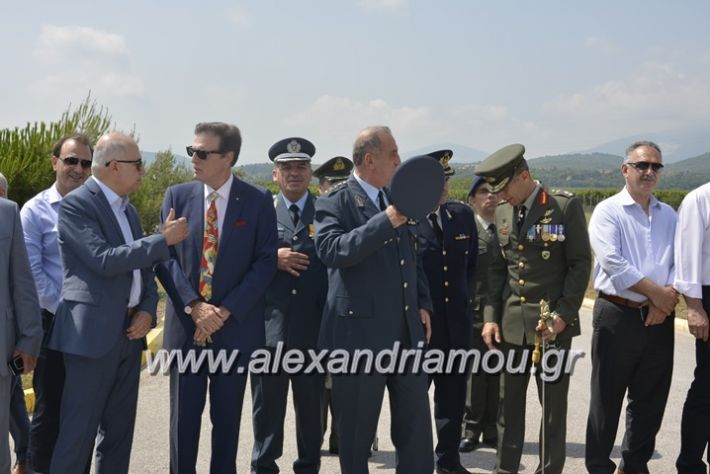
(645, 165)
(73, 161)
(137, 163)
(201, 154)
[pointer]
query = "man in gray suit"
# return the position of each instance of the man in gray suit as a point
(377, 297)
(19, 314)
(107, 306)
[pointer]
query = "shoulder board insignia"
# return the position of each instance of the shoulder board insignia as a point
(542, 198)
(562, 192)
(337, 187)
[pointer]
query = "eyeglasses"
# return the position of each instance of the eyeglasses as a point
(645, 165)
(137, 163)
(201, 154)
(73, 161)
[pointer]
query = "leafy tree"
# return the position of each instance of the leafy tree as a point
(163, 172)
(25, 152)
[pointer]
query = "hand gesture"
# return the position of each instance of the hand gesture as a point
(174, 230)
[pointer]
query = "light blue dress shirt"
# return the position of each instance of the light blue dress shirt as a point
(371, 191)
(39, 223)
(301, 203)
(630, 245)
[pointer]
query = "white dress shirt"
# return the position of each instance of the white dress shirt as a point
(692, 243)
(371, 191)
(222, 201)
(118, 206)
(630, 245)
(39, 224)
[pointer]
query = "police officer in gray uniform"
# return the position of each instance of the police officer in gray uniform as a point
(377, 297)
(544, 240)
(294, 304)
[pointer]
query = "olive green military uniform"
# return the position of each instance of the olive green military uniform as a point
(549, 258)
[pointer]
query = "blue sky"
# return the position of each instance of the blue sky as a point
(557, 76)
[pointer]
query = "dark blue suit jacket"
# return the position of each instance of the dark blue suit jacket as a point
(294, 305)
(450, 270)
(375, 282)
(246, 263)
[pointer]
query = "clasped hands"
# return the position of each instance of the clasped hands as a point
(208, 319)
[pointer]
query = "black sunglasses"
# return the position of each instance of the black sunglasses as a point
(73, 161)
(645, 165)
(137, 163)
(201, 154)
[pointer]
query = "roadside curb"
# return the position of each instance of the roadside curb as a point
(154, 340)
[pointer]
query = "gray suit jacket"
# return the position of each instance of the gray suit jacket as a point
(20, 326)
(98, 266)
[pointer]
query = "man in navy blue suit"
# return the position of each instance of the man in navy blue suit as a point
(216, 281)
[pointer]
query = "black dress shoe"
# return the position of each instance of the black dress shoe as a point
(452, 470)
(467, 445)
(491, 442)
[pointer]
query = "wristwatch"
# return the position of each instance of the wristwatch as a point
(188, 308)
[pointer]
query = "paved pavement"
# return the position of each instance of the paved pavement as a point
(150, 452)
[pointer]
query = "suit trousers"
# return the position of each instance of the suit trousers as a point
(100, 396)
(695, 421)
(627, 356)
(188, 395)
(269, 398)
(357, 399)
(449, 402)
(482, 390)
(511, 413)
(19, 421)
(5, 386)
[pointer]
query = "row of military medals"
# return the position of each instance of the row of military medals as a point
(547, 233)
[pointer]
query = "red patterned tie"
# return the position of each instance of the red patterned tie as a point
(209, 248)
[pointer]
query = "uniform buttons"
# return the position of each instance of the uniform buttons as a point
(522, 299)
(446, 269)
(295, 237)
(406, 307)
(521, 282)
(350, 312)
(521, 265)
(466, 252)
(397, 239)
(446, 300)
(401, 262)
(386, 241)
(294, 291)
(406, 284)
(521, 247)
(443, 252)
(446, 283)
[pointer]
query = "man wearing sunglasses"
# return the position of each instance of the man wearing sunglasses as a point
(71, 161)
(107, 306)
(216, 282)
(632, 346)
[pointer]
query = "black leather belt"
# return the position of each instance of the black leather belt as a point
(623, 301)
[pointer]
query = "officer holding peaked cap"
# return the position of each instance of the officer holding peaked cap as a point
(294, 305)
(543, 238)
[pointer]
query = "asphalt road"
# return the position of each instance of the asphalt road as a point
(150, 447)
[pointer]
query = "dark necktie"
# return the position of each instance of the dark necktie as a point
(437, 228)
(381, 200)
(521, 217)
(294, 214)
(491, 229)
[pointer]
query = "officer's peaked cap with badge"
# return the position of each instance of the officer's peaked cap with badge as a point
(443, 157)
(292, 149)
(499, 168)
(337, 168)
(477, 181)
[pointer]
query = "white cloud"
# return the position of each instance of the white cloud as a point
(382, 4)
(239, 16)
(77, 59)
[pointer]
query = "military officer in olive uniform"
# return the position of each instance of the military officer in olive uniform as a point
(481, 412)
(544, 240)
(294, 304)
(332, 172)
(449, 247)
(329, 174)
